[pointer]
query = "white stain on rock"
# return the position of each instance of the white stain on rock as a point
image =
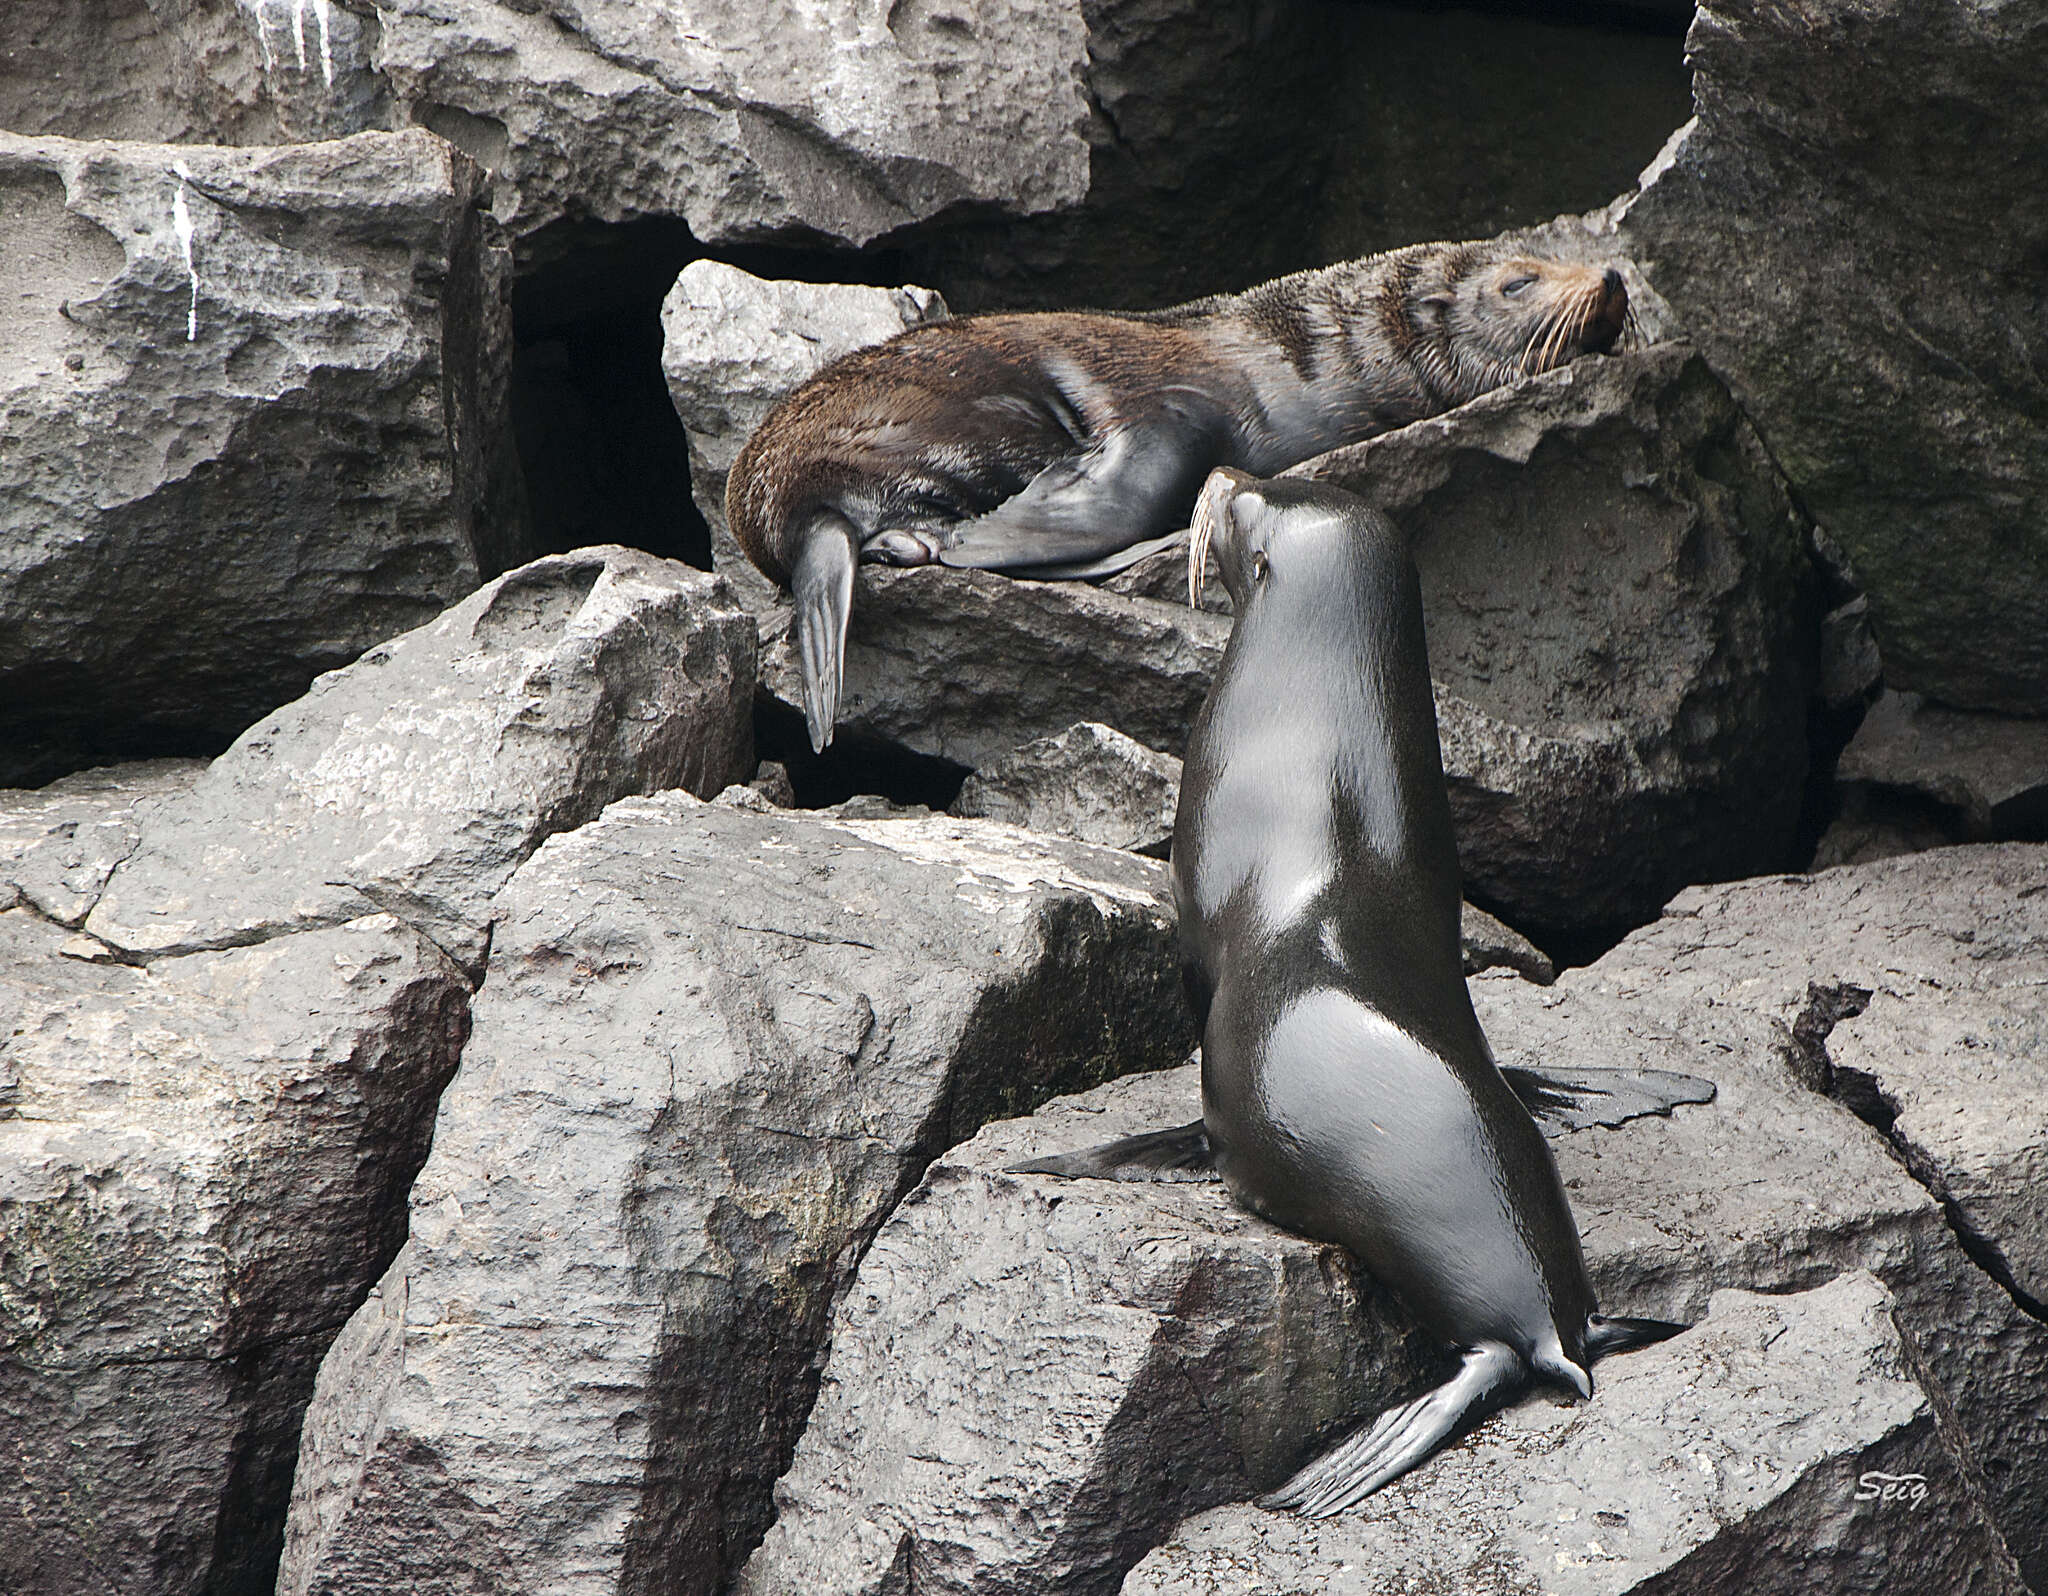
(181, 221)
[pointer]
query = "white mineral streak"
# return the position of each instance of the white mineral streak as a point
(323, 9)
(299, 30)
(181, 220)
(263, 35)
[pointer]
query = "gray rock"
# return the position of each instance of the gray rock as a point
(226, 475)
(1489, 944)
(1987, 774)
(1849, 229)
(1851, 673)
(1613, 574)
(1750, 1454)
(750, 122)
(714, 1050)
(58, 844)
(1773, 1187)
(203, 1168)
(1089, 782)
(733, 346)
(259, 72)
(417, 780)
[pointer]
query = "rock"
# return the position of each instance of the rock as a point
(203, 1168)
(417, 780)
(921, 1465)
(1488, 944)
(1758, 1446)
(58, 844)
(1090, 782)
(733, 346)
(1164, 575)
(835, 123)
(1612, 573)
(261, 72)
(714, 1050)
(225, 476)
(1851, 674)
(1986, 776)
(1850, 230)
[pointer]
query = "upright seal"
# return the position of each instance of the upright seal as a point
(1060, 443)
(1348, 1092)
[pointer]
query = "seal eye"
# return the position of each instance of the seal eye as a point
(1260, 566)
(1516, 285)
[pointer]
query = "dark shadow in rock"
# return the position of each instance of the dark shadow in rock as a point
(852, 765)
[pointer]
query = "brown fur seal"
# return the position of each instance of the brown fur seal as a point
(1051, 442)
(1348, 1092)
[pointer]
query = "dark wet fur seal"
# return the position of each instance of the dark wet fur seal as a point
(1056, 443)
(1348, 1092)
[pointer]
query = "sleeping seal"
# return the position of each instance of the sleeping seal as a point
(1060, 443)
(1347, 1090)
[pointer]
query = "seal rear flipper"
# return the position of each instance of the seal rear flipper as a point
(1178, 1154)
(822, 585)
(1491, 1376)
(1605, 1334)
(1580, 1099)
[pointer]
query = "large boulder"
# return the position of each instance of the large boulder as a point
(1142, 1386)
(715, 1048)
(419, 778)
(1614, 578)
(1089, 781)
(254, 409)
(1851, 230)
(1983, 778)
(203, 1169)
(1785, 1444)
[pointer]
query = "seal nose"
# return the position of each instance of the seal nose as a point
(1611, 281)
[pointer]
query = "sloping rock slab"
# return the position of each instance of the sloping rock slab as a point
(1750, 1454)
(835, 122)
(58, 844)
(714, 1050)
(1489, 944)
(1850, 228)
(419, 778)
(1613, 576)
(254, 404)
(1986, 775)
(203, 1168)
(1090, 782)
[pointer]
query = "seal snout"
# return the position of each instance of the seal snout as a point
(1609, 319)
(1211, 524)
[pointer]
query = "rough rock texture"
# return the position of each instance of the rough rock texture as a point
(211, 72)
(253, 405)
(1489, 944)
(1775, 1186)
(833, 122)
(1090, 782)
(1851, 229)
(419, 778)
(1986, 775)
(1613, 576)
(203, 1168)
(1750, 1454)
(714, 1049)
(733, 345)
(58, 844)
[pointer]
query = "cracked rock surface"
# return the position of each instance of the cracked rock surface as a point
(1090, 782)
(714, 1049)
(254, 403)
(203, 1168)
(419, 778)
(58, 844)
(1749, 1454)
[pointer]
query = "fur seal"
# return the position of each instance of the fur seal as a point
(1348, 1092)
(1054, 442)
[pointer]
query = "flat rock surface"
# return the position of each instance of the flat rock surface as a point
(419, 778)
(203, 1168)
(1989, 772)
(714, 1049)
(58, 844)
(255, 410)
(1849, 229)
(1749, 1453)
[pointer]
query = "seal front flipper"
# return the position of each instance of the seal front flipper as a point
(1490, 1377)
(1178, 1154)
(822, 585)
(1108, 565)
(1579, 1099)
(1133, 486)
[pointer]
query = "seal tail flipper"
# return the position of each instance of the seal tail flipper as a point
(822, 585)
(1605, 1334)
(1178, 1154)
(1580, 1099)
(1402, 1437)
